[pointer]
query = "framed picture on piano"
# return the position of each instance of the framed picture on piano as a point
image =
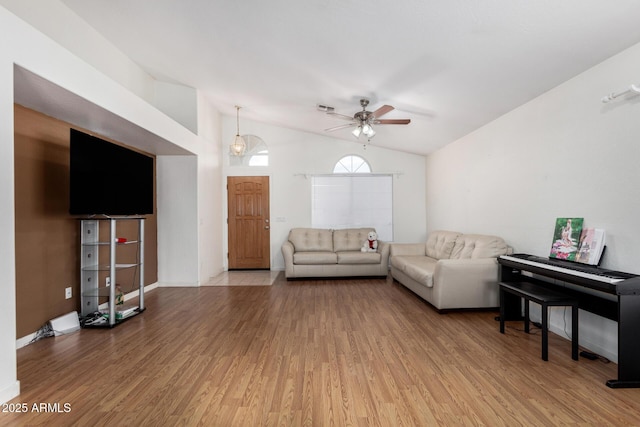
(566, 237)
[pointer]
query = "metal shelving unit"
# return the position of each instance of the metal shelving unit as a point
(91, 266)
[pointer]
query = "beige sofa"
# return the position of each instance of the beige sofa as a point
(314, 252)
(451, 270)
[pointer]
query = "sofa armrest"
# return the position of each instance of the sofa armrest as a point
(287, 250)
(287, 254)
(383, 250)
(407, 249)
(466, 283)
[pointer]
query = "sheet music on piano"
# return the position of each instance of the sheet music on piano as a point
(591, 246)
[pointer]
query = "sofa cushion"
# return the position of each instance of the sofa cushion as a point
(311, 240)
(419, 268)
(400, 261)
(478, 246)
(315, 258)
(441, 243)
(350, 239)
(357, 257)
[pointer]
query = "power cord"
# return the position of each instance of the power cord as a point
(95, 318)
(585, 354)
(593, 356)
(44, 332)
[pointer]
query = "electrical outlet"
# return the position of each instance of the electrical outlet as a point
(67, 293)
(108, 281)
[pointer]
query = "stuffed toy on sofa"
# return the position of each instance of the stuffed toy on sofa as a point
(371, 244)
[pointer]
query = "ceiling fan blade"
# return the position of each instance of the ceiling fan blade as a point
(382, 110)
(339, 127)
(340, 116)
(392, 122)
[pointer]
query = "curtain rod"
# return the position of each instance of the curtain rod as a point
(612, 96)
(307, 175)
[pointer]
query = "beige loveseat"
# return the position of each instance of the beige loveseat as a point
(315, 252)
(452, 270)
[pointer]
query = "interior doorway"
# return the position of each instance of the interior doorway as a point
(248, 222)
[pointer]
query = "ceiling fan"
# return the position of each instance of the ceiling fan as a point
(364, 120)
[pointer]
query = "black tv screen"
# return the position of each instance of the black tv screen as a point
(107, 179)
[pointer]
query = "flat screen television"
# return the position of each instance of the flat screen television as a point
(108, 179)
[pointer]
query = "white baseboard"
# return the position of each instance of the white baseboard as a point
(9, 392)
(131, 295)
(26, 340)
(588, 345)
(558, 329)
(134, 294)
(179, 285)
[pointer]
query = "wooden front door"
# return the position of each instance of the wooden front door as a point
(248, 222)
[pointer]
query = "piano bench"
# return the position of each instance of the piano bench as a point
(546, 298)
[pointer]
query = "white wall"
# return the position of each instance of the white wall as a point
(210, 192)
(564, 154)
(177, 213)
(9, 385)
(54, 19)
(179, 102)
(21, 44)
(292, 154)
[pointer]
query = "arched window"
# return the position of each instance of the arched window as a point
(352, 164)
(256, 154)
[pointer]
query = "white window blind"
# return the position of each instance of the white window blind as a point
(353, 201)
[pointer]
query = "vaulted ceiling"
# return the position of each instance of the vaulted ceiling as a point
(450, 66)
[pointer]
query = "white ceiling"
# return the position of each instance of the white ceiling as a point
(450, 66)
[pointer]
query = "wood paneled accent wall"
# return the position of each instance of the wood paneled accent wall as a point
(47, 237)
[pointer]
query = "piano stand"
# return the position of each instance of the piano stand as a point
(623, 308)
(546, 298)
(623, 384)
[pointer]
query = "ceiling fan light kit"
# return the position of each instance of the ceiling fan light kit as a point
(238, 147)
(364, 120)
(365, 129)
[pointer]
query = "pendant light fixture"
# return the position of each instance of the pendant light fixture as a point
(238, 147)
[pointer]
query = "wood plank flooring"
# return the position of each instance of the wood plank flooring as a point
(327, 352)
